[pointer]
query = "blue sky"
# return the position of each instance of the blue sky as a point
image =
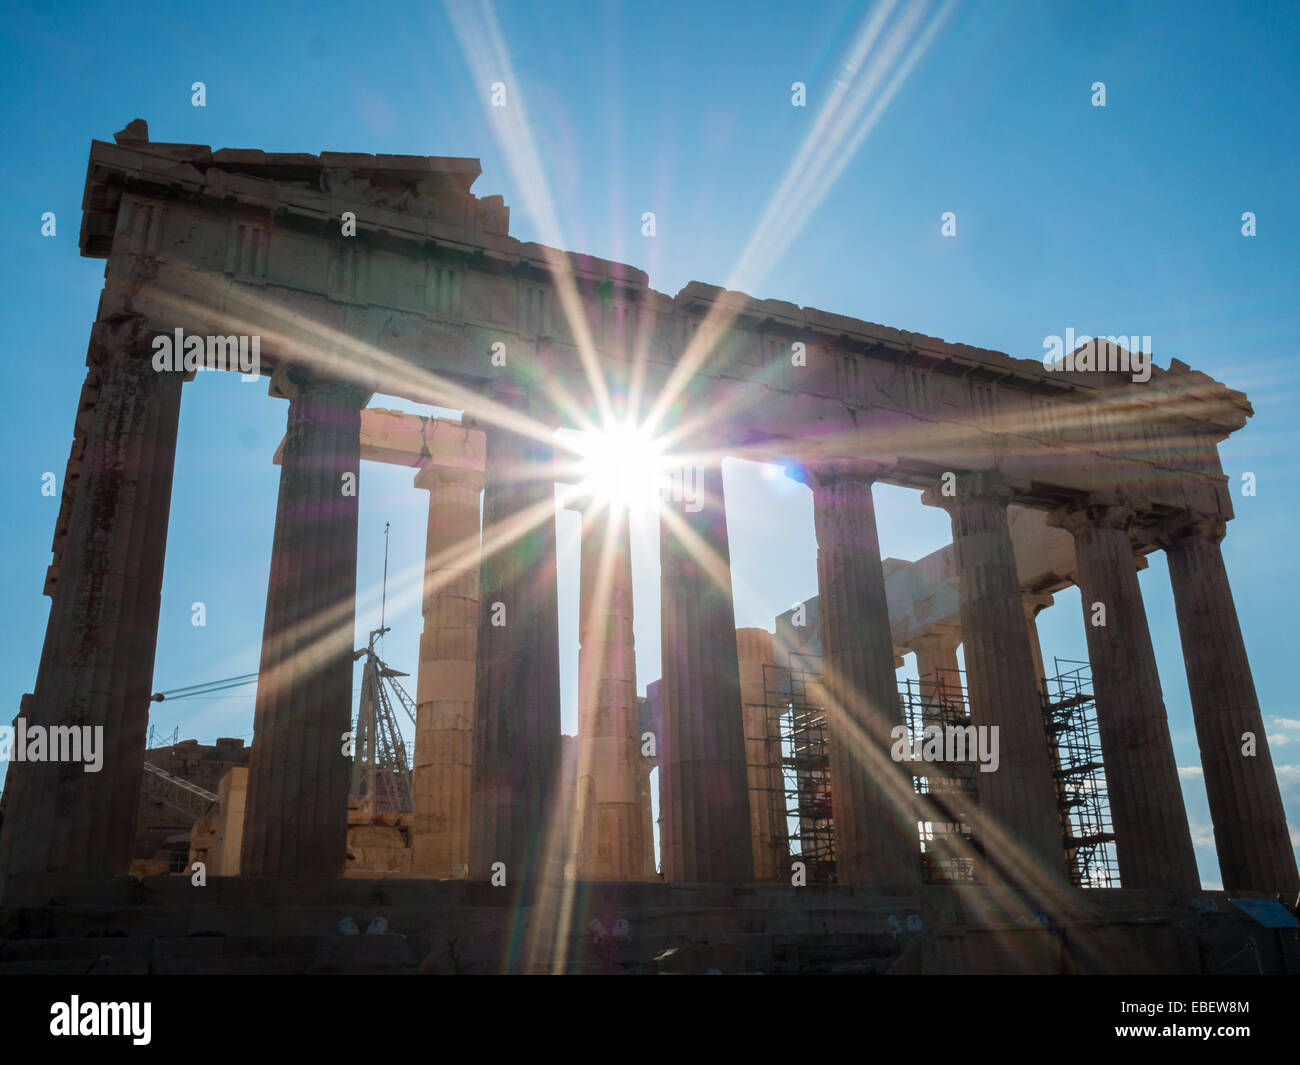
(1123, 219)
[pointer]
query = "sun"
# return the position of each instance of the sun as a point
(619, 466)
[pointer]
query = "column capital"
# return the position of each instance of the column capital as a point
(1035, 602)
(119, 333)
(296, 382)
(504, 397)
(586, 504)
(1076, 516)
(821, 472)
(972, 486)
(936, 638)
(430, 475)
(1186, 524)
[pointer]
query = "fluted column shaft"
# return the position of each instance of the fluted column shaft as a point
(1018, 820)
(295, 818)
(610, 819)
(709, 838)
(1153, 843)
(97, 662)
(514, 793)
(663, 762)
(444, 727)
(872, 796)
(1250, 832)
(1033, 603)
(762, 756)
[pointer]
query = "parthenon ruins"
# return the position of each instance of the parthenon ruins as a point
(1050, 478)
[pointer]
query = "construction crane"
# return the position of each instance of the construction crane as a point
(381, 767)
(178, 793)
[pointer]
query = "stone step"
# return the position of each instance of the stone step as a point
(216, 955)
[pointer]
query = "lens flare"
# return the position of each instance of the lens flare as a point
(620, 466)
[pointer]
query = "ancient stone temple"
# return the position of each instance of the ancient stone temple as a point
(349, 275)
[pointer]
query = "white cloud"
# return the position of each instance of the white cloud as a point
(1202, 833)
(1187, 772)
(1278, 739)
(1286, 722)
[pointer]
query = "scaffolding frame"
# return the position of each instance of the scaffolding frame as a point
(939, 700)
(381, 765)
(796, 742)
(1070, 716)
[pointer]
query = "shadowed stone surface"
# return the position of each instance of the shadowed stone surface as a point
(1250, 832)
(298, 774)
(1153, 843)
(709, 839)
(97, 661)
(514, 811)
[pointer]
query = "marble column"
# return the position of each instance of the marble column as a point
(708, 839)
(515, 786)
(762, 757)
(1250, 832)
(1153, 843)
(663, 762)
(1034, 603)
(1018, 821)
(444, 728)
(296, 814)
(939, 685)
(610, 824)
(648, 764)
(937, 672)
(873, 798)
(96, 667)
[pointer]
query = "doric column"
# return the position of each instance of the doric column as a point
(762, 757)
(709, 837)
(97, 662)
(872, 796)
(1153, 843)
(609, 815)
(444, 728)
(1018, 819)
(663, 762)
(514, 816)
(296, 816)
(937, 671)
(1250, 832)
(647, 765)
(1035, 603)
(942, 703)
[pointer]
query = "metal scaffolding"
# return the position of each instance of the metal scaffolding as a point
(796, 742)
(1070, 716)
(939, 700)
(381, 766)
